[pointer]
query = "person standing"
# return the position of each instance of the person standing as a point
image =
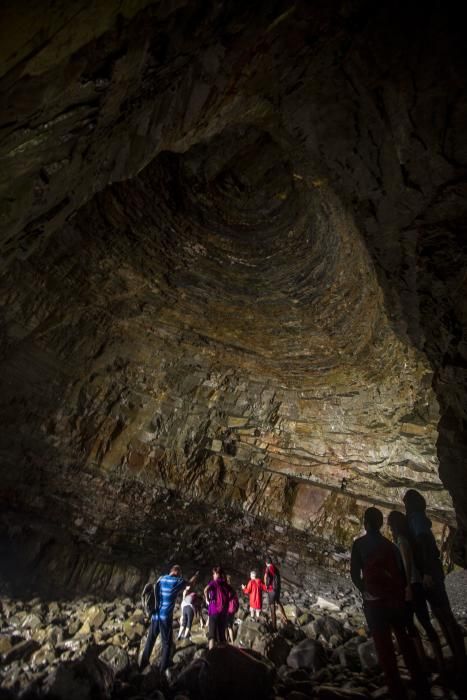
(217, 595)
(232, 611)
(166, 590)
(428, 561)
(188, 609)
(376, 570)
(254, 589)
(415, 599)
(272, 585)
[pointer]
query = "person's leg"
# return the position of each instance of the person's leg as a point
(150, 641)
(166, 637)
(441, 607)
(221, 628)
(414, 635)
(423, 616)
(189, 621)
(257, 612)
(230, 634)
(382, 639)
(453, 634)
(412, 662)
(252, 613)
(272, 610)
(212, 631)
(183, 622)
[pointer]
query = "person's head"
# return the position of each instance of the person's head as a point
(414, 502)
(176, 570)
(373, 520)
(253, 574)
(398, 524)
(228, 578)
(217, 572)
(268, 560)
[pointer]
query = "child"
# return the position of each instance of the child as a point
(188, 609)
(254, 589)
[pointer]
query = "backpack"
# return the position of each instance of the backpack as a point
(382, 574)
(221, 594)
(149, 599)
(234, 603)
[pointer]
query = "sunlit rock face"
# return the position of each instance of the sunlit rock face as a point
(233, 266)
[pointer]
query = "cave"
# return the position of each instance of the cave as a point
(233, 253)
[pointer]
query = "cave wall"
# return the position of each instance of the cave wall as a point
(232, 254)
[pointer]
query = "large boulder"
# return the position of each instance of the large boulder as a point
(116, 658)
(249, 634)
(85, 679)
(228, 673)
(273, 647)
(308, 654)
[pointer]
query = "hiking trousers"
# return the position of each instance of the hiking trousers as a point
(383, 622)
(164, 627)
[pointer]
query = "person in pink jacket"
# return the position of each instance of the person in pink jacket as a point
(254, 589)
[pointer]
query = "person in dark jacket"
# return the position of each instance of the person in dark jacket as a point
(376, 570)
(272, 584)
(415, 598)
(427, 559)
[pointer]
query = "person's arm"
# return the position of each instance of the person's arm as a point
(206, 594)
(426, 556)
(356, 568)
(407, 560)
(193, 579)
(157, 594)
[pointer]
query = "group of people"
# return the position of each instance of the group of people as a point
(221, 602)
(401, 580)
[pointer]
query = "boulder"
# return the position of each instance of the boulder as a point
(95, 617)
(116, 658)
(249, 633)
(347, 654)
(5, 644)
(22, 650)
(367, 655)
(308, 654)
(326, 604)
(228, 673)
(273, 647)
(32, 622)
(133, 629)
(85, 679)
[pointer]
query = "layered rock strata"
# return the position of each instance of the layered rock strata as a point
(233, 261)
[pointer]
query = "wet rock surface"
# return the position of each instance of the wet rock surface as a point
(322, 654)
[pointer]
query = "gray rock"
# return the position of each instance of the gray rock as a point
(116, 658)
(308, 654)
(367, 655)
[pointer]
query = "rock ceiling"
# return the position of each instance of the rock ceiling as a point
(233, 252)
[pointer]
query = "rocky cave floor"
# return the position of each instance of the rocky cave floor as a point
(88, 648)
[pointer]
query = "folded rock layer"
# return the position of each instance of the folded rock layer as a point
(233, 261)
